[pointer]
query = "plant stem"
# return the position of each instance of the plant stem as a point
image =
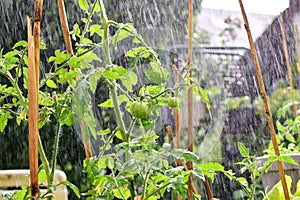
(112, 87)
(265, 101)
(145, 184)
(157, 190)
(119, 119)
(55, 150)
(88, 22)
(45, 162)
(16, 86)
(253, 185)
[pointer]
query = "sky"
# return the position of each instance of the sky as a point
(271, 7)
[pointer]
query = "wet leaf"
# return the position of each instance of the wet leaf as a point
(185, 155)
(103, 132)
(243, 150)
(277, 193)
(107, 104)
(157, 74)
(83, 4)
(242, 181)
(130, 79)
(96, 28)
(50, 83)
(287, 159)
(21, 43)
(4, 119)
(61, 57)
(72, 187)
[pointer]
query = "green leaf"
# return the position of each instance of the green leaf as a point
(242, 181)
(96, 28)
(103, 132)
(21, 43)
(180, 187)
(122, 192)
(76, 31)
(4, 119)
(287, 159)
(61, 57)
(51, 59)
(93, 79)
(107, 104)
(136, 51)
(123, 32)
(212, 166)
(83, 4)
(277, 193)
(290, 138)
(72, 187)
(129, 80)
(50, 83)
(111, 75)
(110, 162)
(157, 74)
(66, 117)
(185, 155)
(243, 150)
(42, 176)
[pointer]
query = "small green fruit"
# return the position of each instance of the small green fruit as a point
(173, 102)
(140, 110)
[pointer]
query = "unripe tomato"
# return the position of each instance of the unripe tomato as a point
(172, 102)
(140, 110)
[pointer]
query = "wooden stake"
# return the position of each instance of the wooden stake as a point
(64, 26)
(32, 114)
(177, 114)
(170, 133)
(286, 53)
(68, 43)
(298, 49)
(190, 98)
(265, 101)
(38, 7)
(86, 141)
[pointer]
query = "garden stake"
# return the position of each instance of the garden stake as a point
(190, 105)
(190, 98)
(68, 43)
(36, 35)
(177, 114)
(64, 26)
(265, 101)
(286, 53)
(298, 49)
(170, 133)
(298, 52)
(32, 114)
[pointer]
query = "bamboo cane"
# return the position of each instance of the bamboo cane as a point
(38, 7)
(298, 49)
(285, 47)
(265, 101)
(177, 115)
(64, 26)
(170, 133)
(190, 98)
(69, 49)
(32, 114)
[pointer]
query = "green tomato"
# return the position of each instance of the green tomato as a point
(140, 110)
(173, 102)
